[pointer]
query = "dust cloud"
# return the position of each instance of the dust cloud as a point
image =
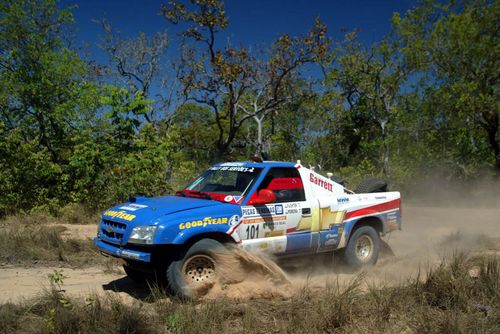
(243, 275)
(429, 234)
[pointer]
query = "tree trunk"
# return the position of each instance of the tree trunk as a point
(494, 143)
(259, 144)
(385, 162)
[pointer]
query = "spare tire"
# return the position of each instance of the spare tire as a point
(372, 185)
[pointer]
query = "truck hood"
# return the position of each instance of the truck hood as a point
(145, 210)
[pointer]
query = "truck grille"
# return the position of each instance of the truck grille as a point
(113, 231)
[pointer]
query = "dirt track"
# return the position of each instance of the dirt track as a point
(428, 234)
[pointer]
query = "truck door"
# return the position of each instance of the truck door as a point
(283, 225)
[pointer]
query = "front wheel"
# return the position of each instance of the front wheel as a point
(363, 248)
(196, 273)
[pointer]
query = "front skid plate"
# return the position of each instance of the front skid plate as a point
(121, 253)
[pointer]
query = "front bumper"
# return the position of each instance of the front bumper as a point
(120, 252)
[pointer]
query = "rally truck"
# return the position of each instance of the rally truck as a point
(279, 207)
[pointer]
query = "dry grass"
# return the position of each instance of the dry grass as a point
(70, 214)
(461, 295)
(33, 242)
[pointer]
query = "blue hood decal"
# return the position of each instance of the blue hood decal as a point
(149, 209)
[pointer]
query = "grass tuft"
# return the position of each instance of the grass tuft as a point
(461, 295)
(41, 243)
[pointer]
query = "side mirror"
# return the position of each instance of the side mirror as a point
(265, 196)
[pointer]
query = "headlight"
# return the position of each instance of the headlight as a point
(142, 235)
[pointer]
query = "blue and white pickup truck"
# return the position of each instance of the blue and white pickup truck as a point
(279, 207)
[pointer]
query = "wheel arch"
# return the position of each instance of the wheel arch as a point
(372, 221)
(221, 237)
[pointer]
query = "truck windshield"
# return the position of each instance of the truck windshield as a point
(229, 183)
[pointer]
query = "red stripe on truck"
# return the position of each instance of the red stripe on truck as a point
(394, 204)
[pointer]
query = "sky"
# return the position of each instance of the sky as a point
(251, 22)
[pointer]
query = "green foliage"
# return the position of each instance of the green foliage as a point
(422, 100)
(456, 47)
(56, 279)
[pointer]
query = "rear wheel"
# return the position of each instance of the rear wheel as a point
(195, 274)
(363, 248)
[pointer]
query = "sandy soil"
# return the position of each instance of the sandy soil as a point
(428, 234)
(78, 231)
(18, 283)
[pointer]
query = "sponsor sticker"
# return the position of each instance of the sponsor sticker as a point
(202, 223)
(268, 219)
(278, 209)
(248, 211)
(233, 220)
(274, 233)
(133, 207)
(119, 214)
(342, 200)
(320, 182)
(130, 255)
(234, 169)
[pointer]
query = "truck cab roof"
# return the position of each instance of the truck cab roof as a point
(258, 164)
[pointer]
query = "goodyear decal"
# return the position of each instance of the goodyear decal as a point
(119, 214)
(202, 223)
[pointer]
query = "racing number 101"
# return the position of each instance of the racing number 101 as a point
(252, 231)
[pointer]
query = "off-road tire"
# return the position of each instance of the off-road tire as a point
(372, 186)
(135, 275)
(206, 251)
(363, 248)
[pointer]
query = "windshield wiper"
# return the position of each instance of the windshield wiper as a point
(199, 194)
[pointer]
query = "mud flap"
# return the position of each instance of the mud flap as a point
(385, 249)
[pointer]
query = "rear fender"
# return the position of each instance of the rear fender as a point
(373, 220)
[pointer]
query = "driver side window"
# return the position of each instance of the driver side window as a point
(285, 183)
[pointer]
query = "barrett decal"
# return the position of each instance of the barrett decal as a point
(320, 182)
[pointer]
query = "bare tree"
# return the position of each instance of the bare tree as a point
(140, 65)
(236, 85)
